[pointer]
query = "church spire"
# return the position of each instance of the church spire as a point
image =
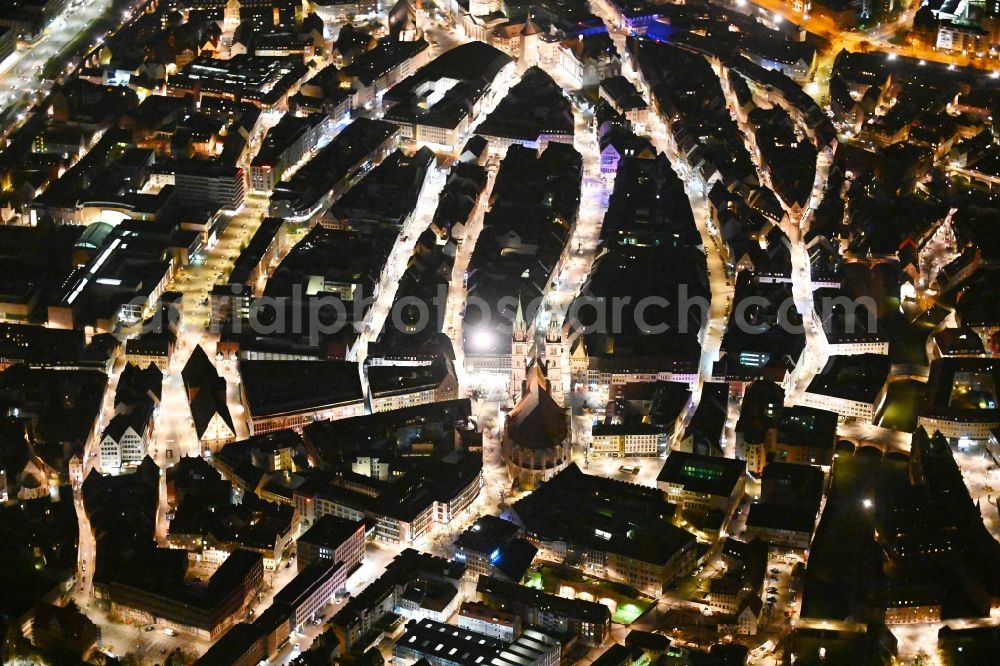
(530, 27)
(554, 333)
(520, 325)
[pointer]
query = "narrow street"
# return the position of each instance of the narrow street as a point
(456, 287)
(21, 72)
(582, 245)
(397, 262)
(795, 226)
(174, 436)
(718, 280)
(683, 608)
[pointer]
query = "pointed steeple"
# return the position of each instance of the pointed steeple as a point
(554, 333)
(530, 27)
(520, 325)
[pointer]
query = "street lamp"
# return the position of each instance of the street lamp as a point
(867, 504)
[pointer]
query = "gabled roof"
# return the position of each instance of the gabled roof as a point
(205, 405)
(135, 383)
(206, 392)
(627, 143)
(537, 420)
(198, 367)
(65, 621)
(135, 418)
(752, 602)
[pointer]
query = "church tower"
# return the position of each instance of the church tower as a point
(520, 345)
(579, 364)
(529, 44)
(231, 13)
(554, 353)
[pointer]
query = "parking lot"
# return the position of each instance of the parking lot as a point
(782, 590)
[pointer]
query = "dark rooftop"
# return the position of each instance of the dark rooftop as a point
(389, 53)
(858, 377)
(534, 107)
(330, 531)
(711, 475)
(276, 387)
(805, 426)
(511, 593)
(603, 514)
(470, 69)
(487, 534)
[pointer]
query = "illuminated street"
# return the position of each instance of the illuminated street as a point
(21, 74)
(745, 492)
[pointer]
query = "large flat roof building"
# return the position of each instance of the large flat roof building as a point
(388, 194)
(156, 589)
(334, 538)
(963, 399)
(120, 283)
(285, 144)
(446, 645)
(263, 81)
(312, 588)
(589, 620)
(374, 72)
(707, 482)
(622, 531)
(850, 385)
(290, 394)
